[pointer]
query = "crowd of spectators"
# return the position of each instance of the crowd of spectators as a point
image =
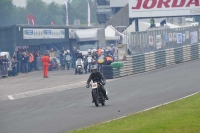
(22, 61)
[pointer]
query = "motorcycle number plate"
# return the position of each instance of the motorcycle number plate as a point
(94, 85)
(79, 66)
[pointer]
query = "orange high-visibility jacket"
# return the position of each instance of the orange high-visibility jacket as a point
(31, 57)
(99, 52)
(45, 60)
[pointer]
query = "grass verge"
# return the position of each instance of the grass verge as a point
(182, 116)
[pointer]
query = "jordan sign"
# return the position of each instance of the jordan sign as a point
(163, 8)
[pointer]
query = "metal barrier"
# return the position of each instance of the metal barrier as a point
(154, 60)
(163, 38)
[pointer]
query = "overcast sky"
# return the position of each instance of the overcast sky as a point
(23, 2)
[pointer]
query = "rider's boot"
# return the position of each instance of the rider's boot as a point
(106, 97)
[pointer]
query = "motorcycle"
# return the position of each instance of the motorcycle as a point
(68, 61)
(97, 95)
(79, 66)
(53, 65)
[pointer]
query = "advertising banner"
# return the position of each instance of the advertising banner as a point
(158, 42)
(150, 40)
(162, 8)
(199, 34)
(179, 38)
(187, 35)
(183, 37)
(174, 37)
(194, 37)
(43, 33)
(170, 37)
(165, 37)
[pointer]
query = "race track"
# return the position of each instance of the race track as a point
(72, 109)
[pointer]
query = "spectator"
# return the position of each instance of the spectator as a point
(62, 50)
(52, 53)
(48, 53)
(36, 54)
(62, 57)
(14, 65)
(5, 64)
(25, 62)
(31, 60)
(19, 61)
(1, 64)
(162, 23)
(99, 50)
(74, 56)
(152, 22)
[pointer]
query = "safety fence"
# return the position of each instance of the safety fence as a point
(163, 38)
(154, 60)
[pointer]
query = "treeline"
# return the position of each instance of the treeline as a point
(45, 13)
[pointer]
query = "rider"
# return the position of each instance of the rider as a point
(79, 55)
(95, 54)
(96, 76)
(89, 52)
(67, 54)
(108, 59)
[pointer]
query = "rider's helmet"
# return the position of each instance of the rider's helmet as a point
(94, 50)
(68, 52)
(102, 52)
(94, 69)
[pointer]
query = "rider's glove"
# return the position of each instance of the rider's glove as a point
(103, 83)
(87, 86)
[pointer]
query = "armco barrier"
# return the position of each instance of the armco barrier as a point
(154, 60)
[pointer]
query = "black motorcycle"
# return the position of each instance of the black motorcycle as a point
(97, 94)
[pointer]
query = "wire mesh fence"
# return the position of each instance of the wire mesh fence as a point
(164, 38)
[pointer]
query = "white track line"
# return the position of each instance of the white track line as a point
(48, 90)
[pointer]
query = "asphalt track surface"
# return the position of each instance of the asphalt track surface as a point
(72, 109)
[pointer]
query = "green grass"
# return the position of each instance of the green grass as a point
(182, 116)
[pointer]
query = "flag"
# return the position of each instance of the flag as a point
(67, 20)
(32, 19)
(52, 23)
(28, 19)
(88, 14)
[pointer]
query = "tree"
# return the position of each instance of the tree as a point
(38, 9)
(55, 12)
(6, 11)
(45, 13)
(19, 15)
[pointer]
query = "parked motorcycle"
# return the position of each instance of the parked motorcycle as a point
(79, 66)
(53, 65)
(97, 94)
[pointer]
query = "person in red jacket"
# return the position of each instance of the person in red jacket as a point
(45, 61)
